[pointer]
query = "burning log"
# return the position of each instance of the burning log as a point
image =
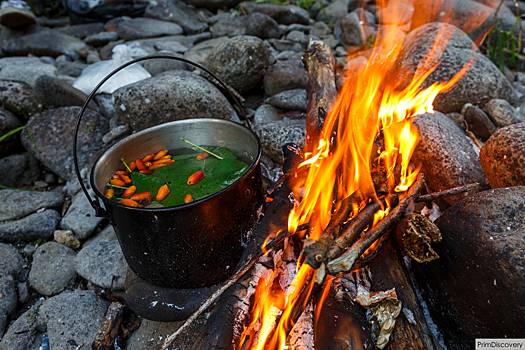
(320, 65)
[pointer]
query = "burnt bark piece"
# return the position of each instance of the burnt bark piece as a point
(109, 329)
(320, 65)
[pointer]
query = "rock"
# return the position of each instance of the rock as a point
(481, 260)
(52, 269)
(275, 135)
(170, 96)
(67, 238)
(503, 156)
(101, 39)
(298, 37)
(18, 170)
(16, 18)
(11, 262)
(69, 68)
(240, 62)
(283, 45)
(23, 333)
(200, 52)
(445, 153)
(55, 92)
(478, 121)
(482, 82)
(139, 28)
(49, 137)
(18, 98)
(15, 204)
(8, 122)
(8, 299)
(40, 225)
(254, 24)
(356, 28)
(83, 30)
(502, 113)
(72, 319)
(44, 43)
(176, 12)
(213, 4)
(107, 234)
(283, 14)
(290, 100)
(285, 75)
(151, 335)
(24, 69)
(266, 114)
(103, 264)
(159, 66)
(80, 217)
(333, 12)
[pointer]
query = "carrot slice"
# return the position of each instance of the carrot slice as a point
(162, 193)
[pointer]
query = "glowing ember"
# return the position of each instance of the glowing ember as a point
(369, 125)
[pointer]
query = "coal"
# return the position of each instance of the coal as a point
(476, 289)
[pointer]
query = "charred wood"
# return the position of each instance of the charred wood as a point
(109, 328)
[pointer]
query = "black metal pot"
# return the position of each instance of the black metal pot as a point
(191, 245)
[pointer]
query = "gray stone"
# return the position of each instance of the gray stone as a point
(67, 238)
(482, 82)
(107, 234)
(177, 12)
(275, 135)
(478, 121)
(289, 100)
(80, 217)
(503, 156)
(240, 62)
(266, 113)
(297, 37)
(69, 68)
(286, 45)
(333, 12)
(151, 335)
(254, 24)
(140, 28)
(52, 269)
(213, 4)
(55, 92)
(23, 334)
(477, 287)
(72, 319)
(356, 28)
(49, 137)
(502, 113)
(44, 43)
(286, 75)
(200, 52)
(458, 118)
(283, 14)
(446, 155)
(16, 18)
(24, 69)
(40, 225)
(103, 264)
(8, 122)
(18, 170)
(16, 204)
(319, 29)
(83, 30)
(18, 98)
(170, 96)
(11, 262)
(159, 66)
(101, 39)
(8, 299)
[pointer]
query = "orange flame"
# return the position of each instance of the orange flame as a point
(371, 115)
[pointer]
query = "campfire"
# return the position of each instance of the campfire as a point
(353, 181)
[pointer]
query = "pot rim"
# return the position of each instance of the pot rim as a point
(248, 171)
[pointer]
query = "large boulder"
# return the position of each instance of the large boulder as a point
(49, 137)
(452, 50)
(477, 287)
(445, 153)
(170, 96)
(503, 157)
(240, 62)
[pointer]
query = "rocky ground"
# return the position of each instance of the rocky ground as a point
(58, 261)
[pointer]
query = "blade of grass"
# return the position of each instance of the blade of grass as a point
(10, 133)
(202, 149)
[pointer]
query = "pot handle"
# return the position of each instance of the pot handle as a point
(231, 95)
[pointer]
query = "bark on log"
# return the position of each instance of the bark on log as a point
(321, 89)
(109, 329)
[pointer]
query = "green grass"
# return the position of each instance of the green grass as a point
(10, 133)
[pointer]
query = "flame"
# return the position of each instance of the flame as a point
(371, 116)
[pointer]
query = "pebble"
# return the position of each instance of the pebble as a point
(502, 113)
(67, 238)
(52, 269)
(283, 14)
(18, 98)
(289, 100)
(80, 217)
(478, 121)
(286, 75)
(266, 113)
